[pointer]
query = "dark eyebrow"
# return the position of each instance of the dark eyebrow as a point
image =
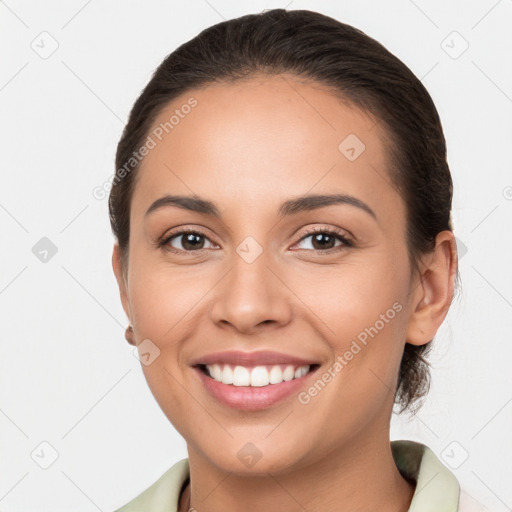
(312, 202)
(290, 207)
(194, 204)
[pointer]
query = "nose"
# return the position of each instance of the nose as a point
(252, 297)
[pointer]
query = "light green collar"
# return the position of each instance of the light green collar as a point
(436, 487)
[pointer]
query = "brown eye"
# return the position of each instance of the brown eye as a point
(324, 240)
(186, 241)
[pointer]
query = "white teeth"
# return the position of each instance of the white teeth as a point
(217, 372)
(258, 376)
(276, 375)
(299, 372)
(289, 373)
(241, 376)
(227, 375)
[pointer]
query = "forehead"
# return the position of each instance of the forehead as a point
(263, 140)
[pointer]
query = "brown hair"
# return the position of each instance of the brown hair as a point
(357, 69)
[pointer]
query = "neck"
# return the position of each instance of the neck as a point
(361, 476)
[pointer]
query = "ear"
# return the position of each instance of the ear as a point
(121, 279)
(433, 291)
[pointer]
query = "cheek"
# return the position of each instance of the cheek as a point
(361, 309)
(353, 295)
(361, 376)
(163, 300)
(163, 312)
(165, 306)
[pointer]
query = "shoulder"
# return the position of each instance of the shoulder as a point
(436, 487)
(163, 495)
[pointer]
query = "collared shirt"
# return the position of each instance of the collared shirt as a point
(437, 489)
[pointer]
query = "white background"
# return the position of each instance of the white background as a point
(68, 377)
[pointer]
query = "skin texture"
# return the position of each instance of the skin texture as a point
(248, 147)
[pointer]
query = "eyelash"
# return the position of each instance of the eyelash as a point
(164, 241)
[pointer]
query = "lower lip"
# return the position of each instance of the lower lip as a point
(249, 398)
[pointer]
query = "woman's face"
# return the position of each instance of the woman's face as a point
(258, 278)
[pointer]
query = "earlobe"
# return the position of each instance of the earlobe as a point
(434, 292)
(130, 335)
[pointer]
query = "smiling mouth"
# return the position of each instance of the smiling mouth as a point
(255, 376)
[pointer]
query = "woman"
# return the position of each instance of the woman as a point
(285, 256)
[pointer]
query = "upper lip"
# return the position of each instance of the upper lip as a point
(262, 357)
